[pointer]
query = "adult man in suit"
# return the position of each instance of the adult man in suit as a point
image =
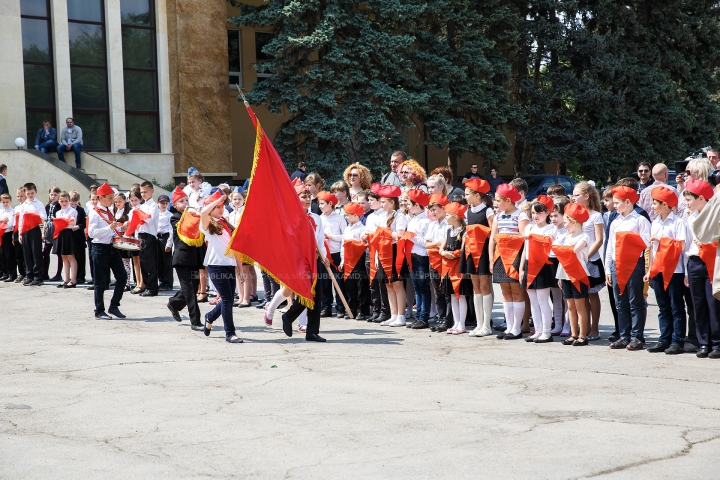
(3, 182)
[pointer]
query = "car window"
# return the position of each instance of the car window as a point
(567, 184)
(533, 182)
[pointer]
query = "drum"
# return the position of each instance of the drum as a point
(127, 243)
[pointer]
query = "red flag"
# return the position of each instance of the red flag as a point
(30, 221)
(666, 259)
(60, 225)
(539, 252)
(628, 247)
(707, 254)
(571, 263)
(276, 233)
(138, 218)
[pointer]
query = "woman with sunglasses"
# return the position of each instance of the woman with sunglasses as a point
(358, 179)
(412, 175)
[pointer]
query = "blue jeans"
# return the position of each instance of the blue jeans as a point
(48, 145)
(671, 304)
(420, 277)
(631, 308)
(76, 147)
(223, 277)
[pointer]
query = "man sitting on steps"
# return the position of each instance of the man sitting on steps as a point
(71, 138)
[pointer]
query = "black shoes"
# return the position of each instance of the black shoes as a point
(658, 347)
(115, 311)
(510, 336)
(287, 326)
(419, 325)
(9, 279)
(381, 318)
(197, 328)
(619, 343)
(149, 293)
(635, 345)
(208, 326)
(103, 316)
(614, 337)
(690, 348)
(674, 350)
(580, 343)
(311, 337)
(234, 339)
(544, 340)
(360, 316)
(326, 313)
(175, 314)
(371, 318)
(714, 354)
(37, 283)
(56, 278)
(703, 352)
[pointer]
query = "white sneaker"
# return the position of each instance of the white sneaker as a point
(398, 323)
(389, 321)
(484, 332)
(473, 333)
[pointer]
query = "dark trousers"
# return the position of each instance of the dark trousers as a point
(47, 250)
(189, 279)
(313, 316)
(107, 259)
(19, 255)
(631, 308)
(706, 306)
(691, 333)
(356, 285)
(442, 301)
(327, 285)
(165, 269)
(8, 265)
(33, 251)
(79, 252)
(76, 148)
(420, 277)
(149, 261)
(671, 306)
(378, 294)
(270, 286)
(613, 307)
(223, 277)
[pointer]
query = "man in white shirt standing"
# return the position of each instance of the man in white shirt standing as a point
(148, 235)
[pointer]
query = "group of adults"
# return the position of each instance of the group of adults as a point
(71, 139)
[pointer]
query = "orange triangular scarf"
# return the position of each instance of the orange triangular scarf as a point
(188, 229)
(539, 247)
(707, 254)
(571, 264)
(451, 269)
(475, 239)
(628, 247)
(435, 259)
(381, 243)
(354, 249)
(666, 259)
(138, 219)
(60, 225)
(30, 221)
(329, 255)
(507, 247)
(404, 251)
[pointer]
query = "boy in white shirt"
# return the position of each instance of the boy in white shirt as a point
(31, 238)
(8, 267)
(356, 283)
(164, 236)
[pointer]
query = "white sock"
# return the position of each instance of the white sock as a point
(487, 301)
(519, 309)
(545, 310)
(462, 311)
(557, 298)
(479, 311)
(509, 316)
(535, 312)
(401, 318)
(276, 300)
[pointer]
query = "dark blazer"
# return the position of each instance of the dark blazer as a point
(184, 255)
(79, 234)
(3, 186)
(41, 138)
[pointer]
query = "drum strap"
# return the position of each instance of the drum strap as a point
(108, 217)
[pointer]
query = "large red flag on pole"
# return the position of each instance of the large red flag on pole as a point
(273, 230)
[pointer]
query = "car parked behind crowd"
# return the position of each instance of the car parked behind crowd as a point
(539, 184)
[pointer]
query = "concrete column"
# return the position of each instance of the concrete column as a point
(116, 84)
(12, 77)
(163, 69)
(61, 59)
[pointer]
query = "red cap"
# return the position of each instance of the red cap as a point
(375, 187)
(508, 191)
(105, 189)
(700, 188)
(299, 186)
(177, 194)
(328, 197)
(419, 197)
(438, 198)
(455, 208)
(388, 191)
(545, 200)
(478, 185)
(625, 193)
(664, 194)
(215, 196)
(578, 212)
(352, 208)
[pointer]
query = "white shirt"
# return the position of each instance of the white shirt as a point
(216, 248)
(547, 230)
(68, 212)
(419, 225)
(675, 228)
(596, 218)
(164, 222)
(559, 236)
(8, 215)
(89, 205)
(35, 206)
(352, 232)
(233, 217)
(334, 225)
(151, 224)
(436, 231)
(633, 222)
(374, 220)
(319, 233)
(98, 228)
(399, 223)
(691, 248)
(582, 255)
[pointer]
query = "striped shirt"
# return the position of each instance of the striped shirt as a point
(508, 222)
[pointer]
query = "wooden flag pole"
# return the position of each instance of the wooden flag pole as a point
(335, 284)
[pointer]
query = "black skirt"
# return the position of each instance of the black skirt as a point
(395, 276)
(600, 279)
(467, 265)
(544, 278)
(499, 275)
(64, 243)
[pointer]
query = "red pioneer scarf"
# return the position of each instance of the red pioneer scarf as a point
(435, 259)
(30, 221)
(507, 248)
(539, 247)
(3, 226)
(137, 219)
(17, 223)
(628, 247)
(707, 254)
(451, 269)
(666, 259)
(475, 239)
(354, 249)
(381, 243)
(571, 264)
(60, 224)
(404, 251)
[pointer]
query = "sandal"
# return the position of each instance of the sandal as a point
(137, 290)
(202, 297)
(61, 285)
(70, 285)
(580, 343)
(569, 341)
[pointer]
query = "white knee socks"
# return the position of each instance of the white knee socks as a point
(479, 311)
(535, 312)
(276, 300)
(557, 298)
(508, 308)
(544, 327)
(459, 309)
(487, 301)
(519, 309)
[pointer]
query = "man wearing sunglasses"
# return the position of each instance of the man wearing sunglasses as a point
(646, 180)
(660, 178)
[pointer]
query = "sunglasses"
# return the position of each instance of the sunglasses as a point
(643, 171)
(353, 175)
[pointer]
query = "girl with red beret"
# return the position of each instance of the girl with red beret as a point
(454, 282)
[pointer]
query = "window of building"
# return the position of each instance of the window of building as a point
(261, 40)
(38, 66)
(142, 115)
(234, 58)
(88, 72)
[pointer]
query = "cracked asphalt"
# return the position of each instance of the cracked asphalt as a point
(146, 397)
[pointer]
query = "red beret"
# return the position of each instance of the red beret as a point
(625, 193)
(508, 191)
(375, 187)
(455, 208)
(177, 194)
(215, 196)
(478, 185)
(578, 212)
(352, 208)
(388, 191)
(547, 201)
(419, 197)
(700, 188)
(438, 198)
(105, 189)
(664, 194)
(328, 197)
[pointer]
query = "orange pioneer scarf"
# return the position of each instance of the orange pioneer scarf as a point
(188, 229)
(666, 259)
(507, 247)
(707, 254)
(628, 247)
(435, 259)
(404, 251)
(381, 243)
(451, 268)
(354, 249)
(137, 219)
(30, 221)
(571, 264)
(475, 239)
(539, 247)
(60, 225)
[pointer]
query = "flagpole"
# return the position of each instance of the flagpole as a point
(337, 287)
